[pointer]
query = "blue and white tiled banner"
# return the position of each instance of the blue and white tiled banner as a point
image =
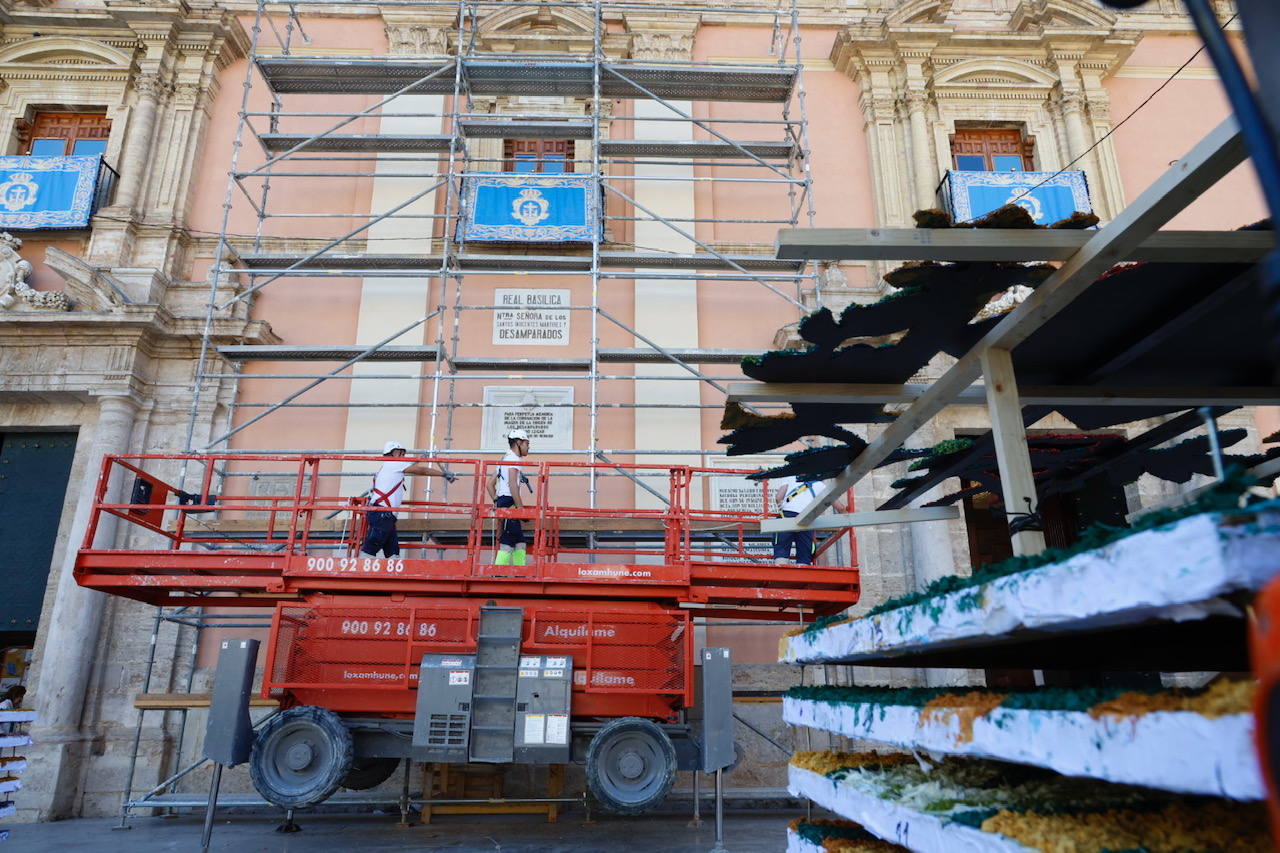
(1047, 196)
(47, 192)
(510, 207)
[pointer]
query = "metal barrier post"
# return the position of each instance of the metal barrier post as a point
(719, 848)
(211, 807)
(697, 800)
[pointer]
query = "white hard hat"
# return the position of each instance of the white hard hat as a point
(517, 434)
(392, 445)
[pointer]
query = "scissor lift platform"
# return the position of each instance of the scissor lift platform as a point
(254, 550)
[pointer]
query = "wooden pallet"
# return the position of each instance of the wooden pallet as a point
(483, 784)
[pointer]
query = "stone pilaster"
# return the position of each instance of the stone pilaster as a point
(137, 148)
(923, 172)
(71, 633)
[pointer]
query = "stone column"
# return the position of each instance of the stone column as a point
(923, 168)
(72, 635)
(137, 148)
(1073, 107)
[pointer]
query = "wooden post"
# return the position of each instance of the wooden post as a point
(428, 789)
(555, 787)
(1016, 479)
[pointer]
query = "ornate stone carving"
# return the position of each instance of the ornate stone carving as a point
(148, 86)
(417, 40)
(187, 94)
(668, 46)
(1072, 101)
(15, 293)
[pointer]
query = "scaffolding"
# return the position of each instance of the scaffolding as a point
(582, 96)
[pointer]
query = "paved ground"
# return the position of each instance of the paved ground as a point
(745, 832)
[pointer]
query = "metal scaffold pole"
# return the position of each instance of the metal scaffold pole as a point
(542, 95)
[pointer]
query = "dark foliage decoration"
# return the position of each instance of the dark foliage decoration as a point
(1147, 324)
(1059, 458)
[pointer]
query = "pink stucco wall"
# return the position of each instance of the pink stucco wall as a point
(1168, 126)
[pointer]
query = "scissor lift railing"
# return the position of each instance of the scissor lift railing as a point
(308, 542)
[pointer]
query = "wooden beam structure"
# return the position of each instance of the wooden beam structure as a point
(1017, 480)
(1212, 158)
(1031, 395)
(863, 519)
(1012, 245)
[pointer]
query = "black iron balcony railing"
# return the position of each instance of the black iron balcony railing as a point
(40, 192)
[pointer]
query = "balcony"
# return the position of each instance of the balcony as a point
(39, 193)
(523, 207)
(1047, 196)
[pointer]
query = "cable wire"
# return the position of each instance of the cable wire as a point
(1122, 121)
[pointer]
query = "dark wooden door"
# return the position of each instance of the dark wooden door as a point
(34, 467)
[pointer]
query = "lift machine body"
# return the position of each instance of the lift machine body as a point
(584, 654)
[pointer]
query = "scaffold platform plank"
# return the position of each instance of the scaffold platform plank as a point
(643, 355)
(692, 149)
(622, 355)
(289, 352)
(499, 128)
(357, 263)
(383, 76)
(408, 143)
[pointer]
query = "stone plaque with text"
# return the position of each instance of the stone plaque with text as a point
(534, 316)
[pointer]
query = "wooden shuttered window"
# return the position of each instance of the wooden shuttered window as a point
(991, 150)
(54, 134)
(548, 156)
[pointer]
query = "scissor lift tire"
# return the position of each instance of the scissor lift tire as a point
(366, 773)
(631, 765)
(300, 757)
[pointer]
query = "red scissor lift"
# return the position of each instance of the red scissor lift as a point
(611, 592)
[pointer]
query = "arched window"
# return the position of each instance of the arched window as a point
(547, 156)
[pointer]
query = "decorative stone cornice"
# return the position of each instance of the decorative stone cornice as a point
(411, 35)
(663, 37)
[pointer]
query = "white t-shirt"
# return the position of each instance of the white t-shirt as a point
(504, 485)
(797, 496)
(388, 484)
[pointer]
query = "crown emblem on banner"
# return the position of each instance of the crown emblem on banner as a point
(18, 192)
(530, 207)
(1024, 199)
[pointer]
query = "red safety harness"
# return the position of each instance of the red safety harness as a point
(384, 498)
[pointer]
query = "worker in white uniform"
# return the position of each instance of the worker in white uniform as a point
(388, 491)
(11, 700)
(505, 491)
(792, 497)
